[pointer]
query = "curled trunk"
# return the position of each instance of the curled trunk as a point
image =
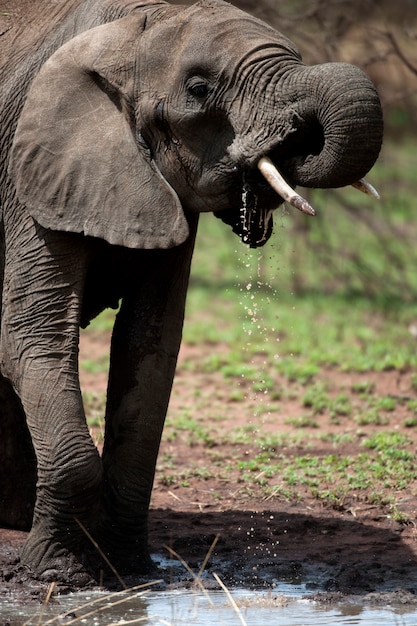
(322, 128)
(339, 126)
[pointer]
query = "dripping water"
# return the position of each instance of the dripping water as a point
(246, 212)
(255, 221)
(257, 292)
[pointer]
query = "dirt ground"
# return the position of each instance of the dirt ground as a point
(355, 548)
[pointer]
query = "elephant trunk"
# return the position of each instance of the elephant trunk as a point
(339, 126)
(323, 128)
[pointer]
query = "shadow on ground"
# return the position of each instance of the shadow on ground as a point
(332, 554)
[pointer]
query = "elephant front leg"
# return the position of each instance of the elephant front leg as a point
(41, 308)
(145, 345)
(69, 480)
(69, 474)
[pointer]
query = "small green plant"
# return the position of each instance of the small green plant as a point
(363, 387)
(264, 408)
(340, 406)
(298, 372)
(264, 384)
(412, 405)
(377, 499)
(236, 395)
(384, 403)
(372, 417)
(399, 516)
(195, 432)
(301, 421)
(316, 398)
(333, 497)
(281, 493)
(338, 439)
(386, 441)
(166, 479)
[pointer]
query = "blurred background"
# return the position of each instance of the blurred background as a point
(355, 245)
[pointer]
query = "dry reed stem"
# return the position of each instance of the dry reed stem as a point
(101, 553)
(105, 598)
(230, 598)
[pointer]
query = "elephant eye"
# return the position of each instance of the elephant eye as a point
(198, 88)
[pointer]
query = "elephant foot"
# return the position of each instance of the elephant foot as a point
(69, 571)
(50, 561)
(83, 565)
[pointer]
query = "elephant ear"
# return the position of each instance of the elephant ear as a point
(77, 160)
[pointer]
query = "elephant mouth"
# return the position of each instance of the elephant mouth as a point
(253, 221)
(262, 190)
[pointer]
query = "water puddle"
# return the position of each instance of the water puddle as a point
(287, 604)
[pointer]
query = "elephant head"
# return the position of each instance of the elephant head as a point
(169, 110)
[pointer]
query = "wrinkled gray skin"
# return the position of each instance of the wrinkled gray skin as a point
(140, 115)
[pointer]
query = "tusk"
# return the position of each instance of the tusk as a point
(278, 184)
(367, 188)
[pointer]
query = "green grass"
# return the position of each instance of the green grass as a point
(333, 476)
(302, 334)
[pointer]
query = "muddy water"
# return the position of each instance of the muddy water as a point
(288, 605)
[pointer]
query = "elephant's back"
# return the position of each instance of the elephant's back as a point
(27, 27)
(24, 25)
(30, 32)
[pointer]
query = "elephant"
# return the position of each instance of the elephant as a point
(122, 121)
